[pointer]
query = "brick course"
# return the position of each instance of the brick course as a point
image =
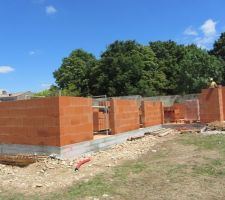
(191, 110)
(152, 113)
(123, 115)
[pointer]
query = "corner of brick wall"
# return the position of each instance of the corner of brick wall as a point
(76, 120)
(211, 105)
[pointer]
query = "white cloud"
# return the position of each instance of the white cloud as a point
(190, 31)
(50, 10)
(204, 42)
(209, 27)
(46, 85)
(6, 69)
(205, 37)
(209, 32)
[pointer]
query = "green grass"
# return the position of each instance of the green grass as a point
(211, 142)
(128, 168)
(103, 183)
(97, 186)
(213, 167)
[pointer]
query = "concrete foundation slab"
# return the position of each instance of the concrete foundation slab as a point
(75, 150)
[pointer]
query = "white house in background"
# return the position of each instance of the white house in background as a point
(5, 96)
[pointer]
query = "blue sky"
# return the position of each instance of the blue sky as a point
(36, 34)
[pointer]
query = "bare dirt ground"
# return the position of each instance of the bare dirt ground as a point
(51, 175)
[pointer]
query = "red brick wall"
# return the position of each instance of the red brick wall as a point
(152, 113)
(76, 120)
(169, 114)
(179, 111)
(172, 114)
(123, 115)
(95, 119)
(191, 109)
(223, 98)
(211, 105)
(100, 120)
(54, 121)
(33, 122)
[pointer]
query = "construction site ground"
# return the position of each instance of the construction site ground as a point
(176, 166)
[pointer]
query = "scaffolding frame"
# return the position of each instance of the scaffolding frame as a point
(102, 108)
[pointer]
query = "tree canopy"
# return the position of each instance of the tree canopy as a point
(129, 68)
(169, 55)
(219, 47)
(196, 67)
(74, 73)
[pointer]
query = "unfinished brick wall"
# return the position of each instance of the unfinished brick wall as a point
(211, 105)
(152, 113)
(33, 122)
(172, 114)
(76, 120)
(191, 110)
(100, 120)
(124, 115)
(169, 114)
(223, 100)
(179, 111)
(54, 121)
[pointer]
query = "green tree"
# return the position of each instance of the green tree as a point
(196, 67)
(56, 91)
(44, 93)
(169, 55)
(128, 68)
(74, 74)
(219, 51)
(219, 47)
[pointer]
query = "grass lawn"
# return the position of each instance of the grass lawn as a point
(188, 167)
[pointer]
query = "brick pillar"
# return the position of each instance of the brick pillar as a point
(211, 105)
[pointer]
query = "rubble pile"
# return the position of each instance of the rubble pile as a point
(214, 128)
(219, 126)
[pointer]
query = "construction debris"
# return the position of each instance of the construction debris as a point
(19, 160)
(166, 132)
(219, 126)
(161, 132)
(213, 128)
(135, 138)
(81, 162)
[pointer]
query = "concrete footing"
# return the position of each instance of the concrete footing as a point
(75, 150)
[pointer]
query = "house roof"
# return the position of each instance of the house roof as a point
(14, 94)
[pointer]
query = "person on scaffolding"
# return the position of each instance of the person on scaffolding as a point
(212, 83)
